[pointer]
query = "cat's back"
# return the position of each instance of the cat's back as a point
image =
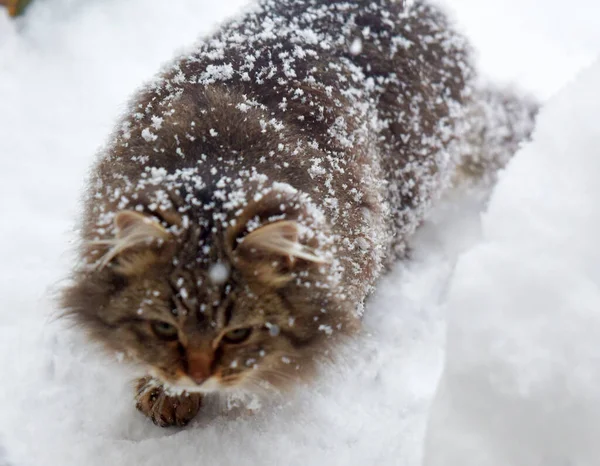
(343, 100)
(330, 75)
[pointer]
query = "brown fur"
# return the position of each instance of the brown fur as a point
(254, 192)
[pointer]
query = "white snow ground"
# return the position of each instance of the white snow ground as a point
(522, 307)
(520, 384)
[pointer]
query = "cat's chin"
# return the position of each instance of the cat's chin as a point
(212, 385)
(187, 385)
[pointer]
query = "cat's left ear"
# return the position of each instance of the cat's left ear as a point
(137, 243)
(281, 238)
(272, 252)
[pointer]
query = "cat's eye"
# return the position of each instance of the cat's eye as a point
(164, 330)
(238, 335)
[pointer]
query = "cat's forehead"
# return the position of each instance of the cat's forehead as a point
(206, 289)
(214, 276)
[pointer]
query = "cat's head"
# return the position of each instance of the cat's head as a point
(248, 302)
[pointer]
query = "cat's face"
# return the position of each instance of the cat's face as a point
(256, 315)
(208, 330)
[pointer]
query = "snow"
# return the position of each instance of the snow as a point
(538, 44)
(519, 381)
(521, 375)
(356, 46)
(218, 273)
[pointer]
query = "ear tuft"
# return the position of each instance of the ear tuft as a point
(281, 238)
(130, 223)
(133, 232)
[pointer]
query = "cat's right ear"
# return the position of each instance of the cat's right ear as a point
(138, 243)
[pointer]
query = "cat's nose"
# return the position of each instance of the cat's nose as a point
(199, 363)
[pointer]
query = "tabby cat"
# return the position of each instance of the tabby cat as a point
(256, 189)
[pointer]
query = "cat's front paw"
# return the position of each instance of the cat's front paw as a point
(165, 410)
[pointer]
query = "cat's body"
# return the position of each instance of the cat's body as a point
(256, 190)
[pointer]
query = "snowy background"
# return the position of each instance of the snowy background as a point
(483, 350)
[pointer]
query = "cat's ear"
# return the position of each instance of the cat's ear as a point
(271, 253)
(133, 226)
(136, 245)
(280, 238)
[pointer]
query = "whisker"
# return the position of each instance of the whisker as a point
(258, 384)
(279, 374)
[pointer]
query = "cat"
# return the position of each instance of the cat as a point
(256, 189)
